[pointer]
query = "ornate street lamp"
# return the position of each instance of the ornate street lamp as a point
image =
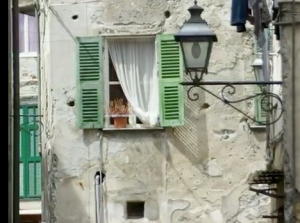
(196, 41)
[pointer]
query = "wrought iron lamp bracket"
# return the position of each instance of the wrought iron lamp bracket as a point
(269, 101)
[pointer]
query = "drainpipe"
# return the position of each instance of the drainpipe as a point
(16, 112)
(97, 197)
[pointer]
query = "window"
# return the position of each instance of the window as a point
(135, 62)
(28, 34)
(135, 209)
(30, 160)
(116, 92)
(145, 72)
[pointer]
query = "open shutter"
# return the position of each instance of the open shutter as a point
(170, 76)
(89, 100)
(30, 160)
(259, 103)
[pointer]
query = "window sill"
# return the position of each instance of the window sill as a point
(257, 127)
(133, 128)
(28, 199)
(26, 55)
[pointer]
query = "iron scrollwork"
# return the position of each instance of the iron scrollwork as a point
(268, 101)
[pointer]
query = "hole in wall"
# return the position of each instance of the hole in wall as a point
(167, 14)
(205, 106)
(135, 209)
(102, 176)
(71, 102)
(74, 17)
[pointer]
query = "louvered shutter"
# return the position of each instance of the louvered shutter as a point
(170, 76)
(89, 100)
(259, 104)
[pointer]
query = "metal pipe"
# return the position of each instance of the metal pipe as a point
(97, 197)
(10, 111)
(16, 112)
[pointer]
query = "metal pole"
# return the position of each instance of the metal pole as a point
(265, 56)
(10, 111)
(16, 112)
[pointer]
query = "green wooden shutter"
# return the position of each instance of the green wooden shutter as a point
(170, 76)
(89, 100)
(30, 160)
(259, 103)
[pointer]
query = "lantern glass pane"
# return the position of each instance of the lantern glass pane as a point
(195, 54)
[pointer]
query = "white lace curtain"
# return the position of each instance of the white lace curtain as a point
(135, 65)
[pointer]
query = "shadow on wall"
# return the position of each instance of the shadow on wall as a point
(259, 134)
(191, 139)
(70, 208)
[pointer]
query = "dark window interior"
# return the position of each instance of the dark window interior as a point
(135, 209)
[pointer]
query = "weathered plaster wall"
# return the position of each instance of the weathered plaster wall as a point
(289, 79)
(28, 79)
(195, 173)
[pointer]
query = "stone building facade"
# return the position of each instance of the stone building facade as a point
(286, 152)
(196, 172)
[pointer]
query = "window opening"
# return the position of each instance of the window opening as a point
(116, 91)
(28, 33)
(135, 209)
